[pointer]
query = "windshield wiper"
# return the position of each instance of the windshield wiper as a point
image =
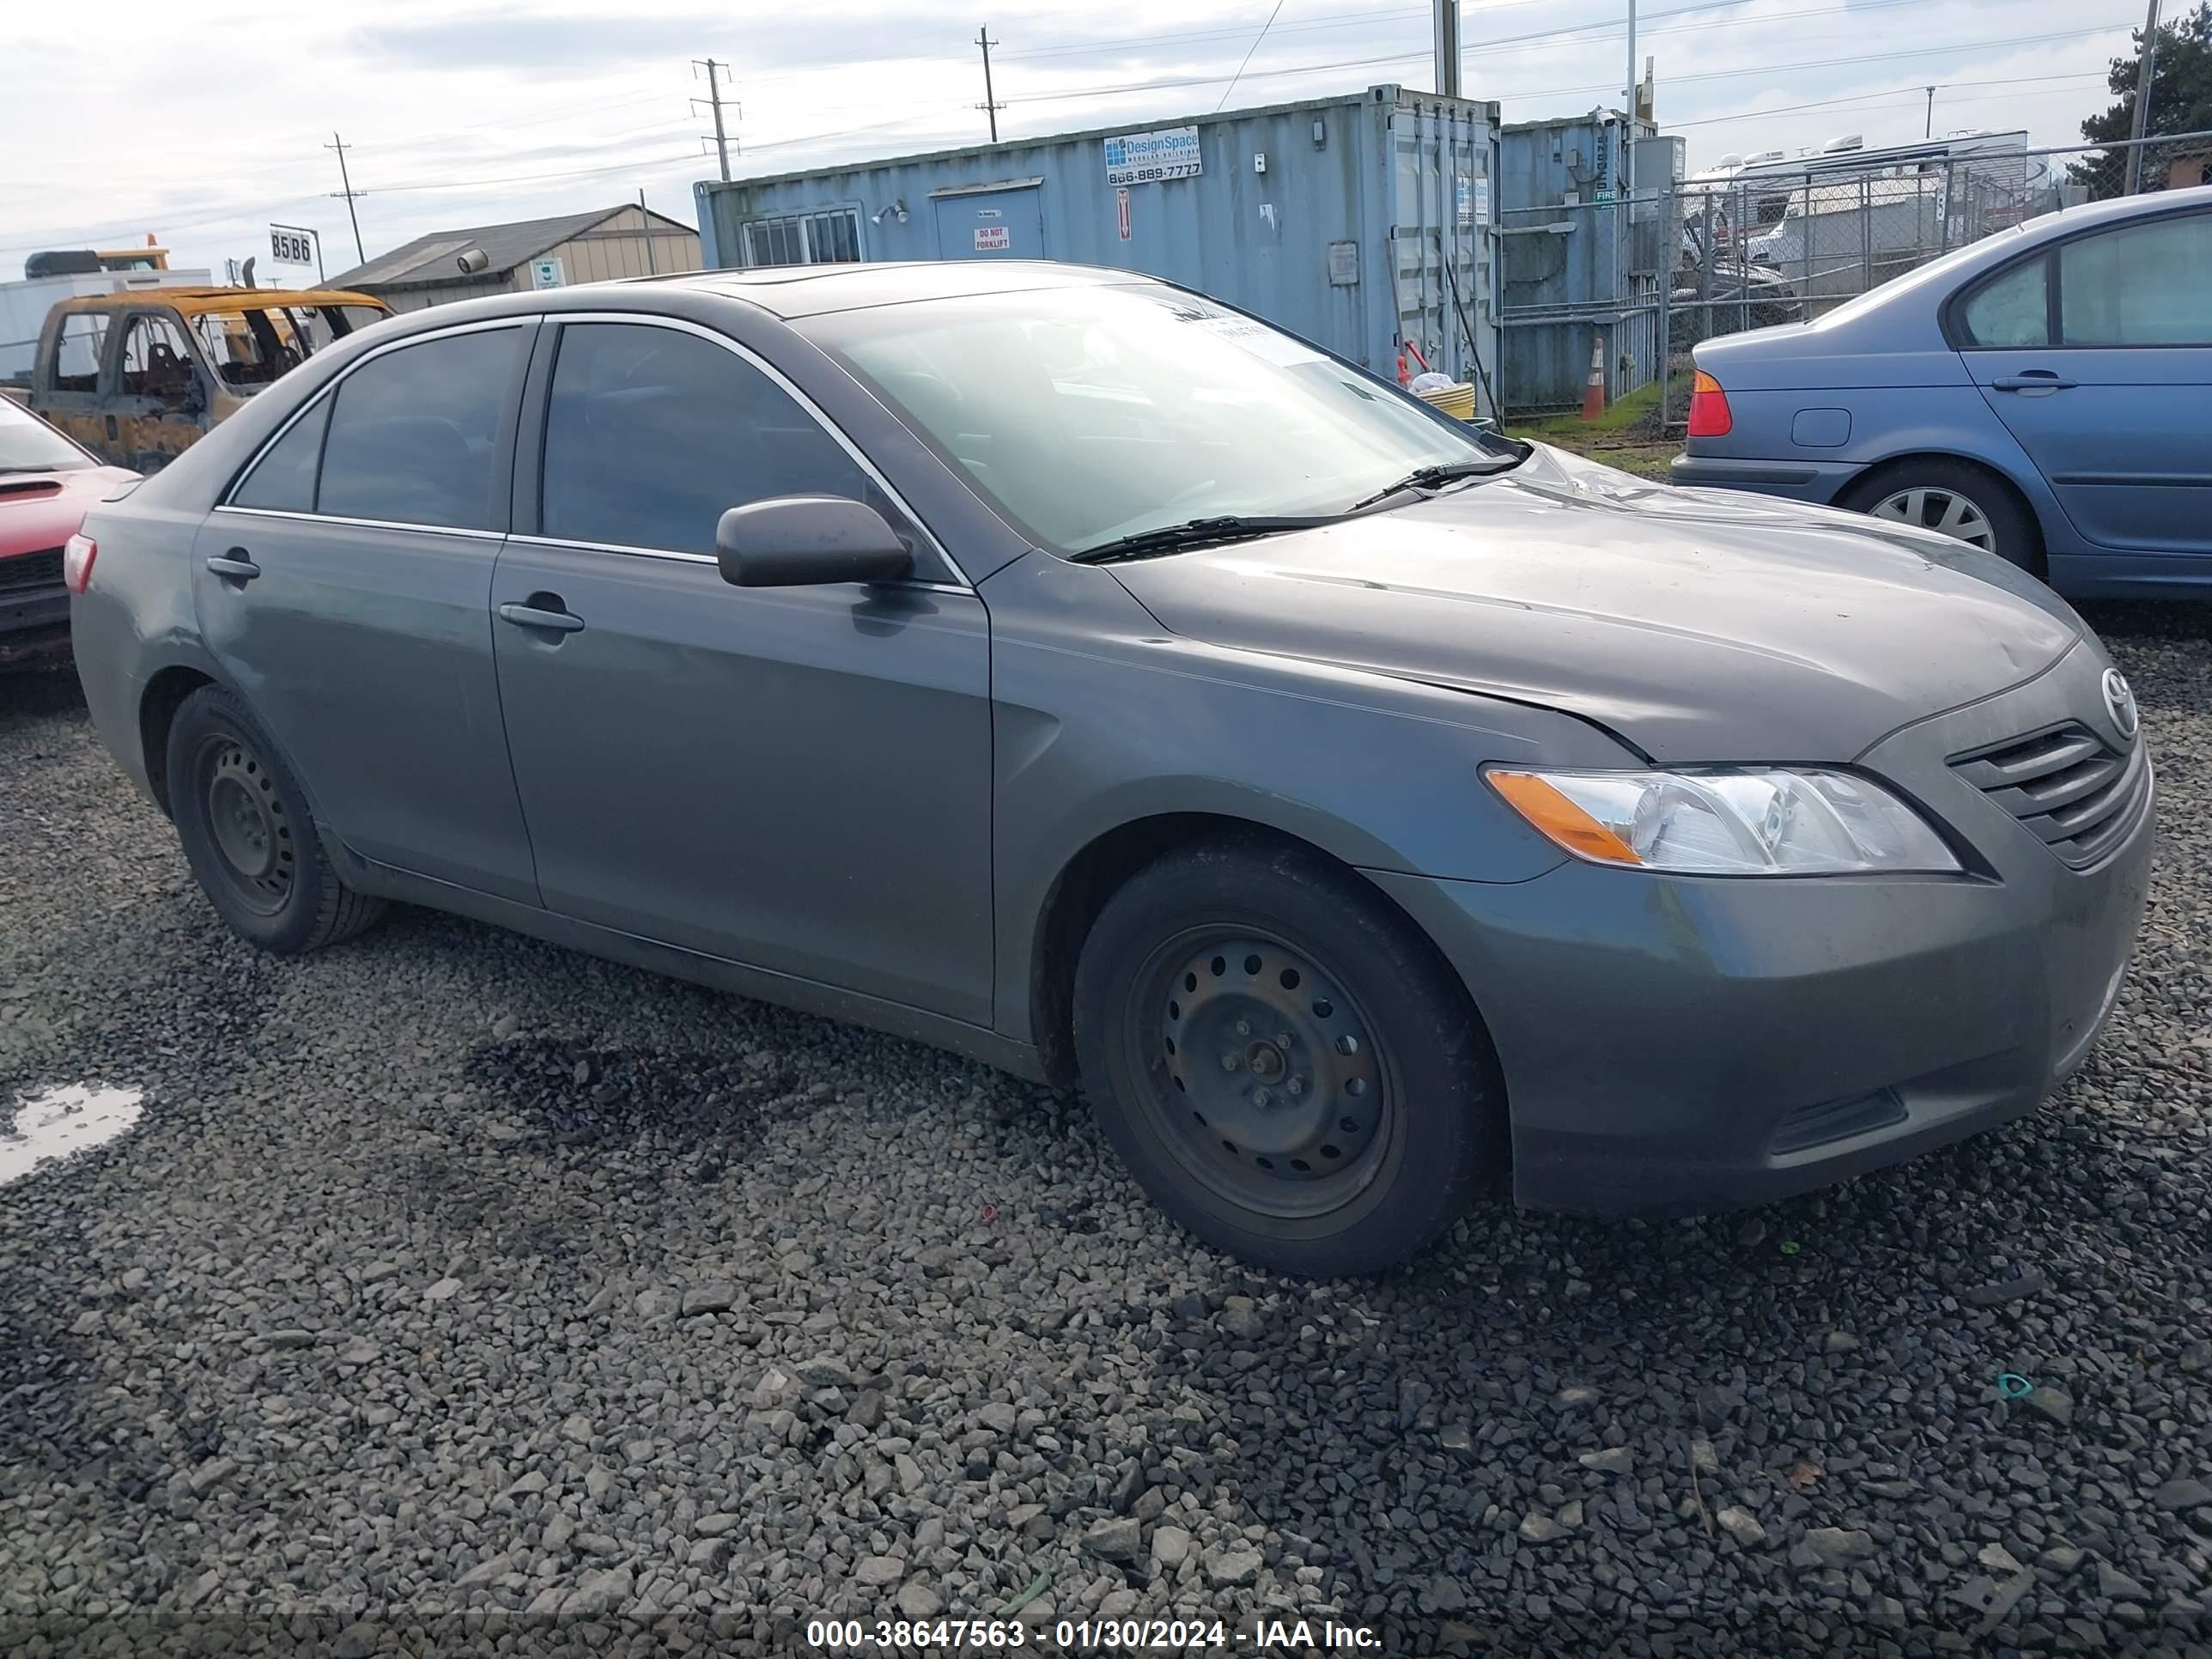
(1198, 532)
(1429, 477)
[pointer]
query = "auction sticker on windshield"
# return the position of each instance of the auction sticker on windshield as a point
(1144, 158)
(1258, 340)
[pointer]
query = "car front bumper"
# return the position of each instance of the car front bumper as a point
(1817, 481)
(1675, 1044)
(34, 620)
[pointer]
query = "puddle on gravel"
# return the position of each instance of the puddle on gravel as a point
(59, 1123)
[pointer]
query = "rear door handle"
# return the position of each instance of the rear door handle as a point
(2034, 379)
(529, 616)
(235, 565)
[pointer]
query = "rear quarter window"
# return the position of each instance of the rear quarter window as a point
(284, 479)
(2013, 308)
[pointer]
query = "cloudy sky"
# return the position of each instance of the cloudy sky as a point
(204, 123)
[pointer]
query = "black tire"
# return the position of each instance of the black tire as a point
(1399, 1077)
(2013, 534)
(249, 835)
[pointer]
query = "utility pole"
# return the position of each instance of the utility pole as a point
(646, 214)
(2142, 98)
(713, 68)
(360, 254)
(990, 105)
(1447, 48)
(1928, 131)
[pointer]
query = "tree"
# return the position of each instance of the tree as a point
(2180, 102)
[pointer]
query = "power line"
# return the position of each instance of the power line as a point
(1249, 51)
(1861, 97)
(1069, 94)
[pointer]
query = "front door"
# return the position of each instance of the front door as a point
(798, 779)
(158, 395)
(346, 589)
(2099, 362)
(991, 224)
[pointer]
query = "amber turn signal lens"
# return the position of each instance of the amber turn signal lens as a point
(1559, 820)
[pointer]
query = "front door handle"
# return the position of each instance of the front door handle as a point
(2033, 380)
(531, 616)
(235, 565)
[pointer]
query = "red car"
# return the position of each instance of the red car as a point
(46, 484)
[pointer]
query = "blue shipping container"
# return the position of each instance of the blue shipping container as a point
(1362, 223)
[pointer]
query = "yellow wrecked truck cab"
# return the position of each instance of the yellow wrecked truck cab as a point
(137, 377)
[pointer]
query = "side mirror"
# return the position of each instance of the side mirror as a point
(800, 540)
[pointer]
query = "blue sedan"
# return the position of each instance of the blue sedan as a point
(2044, 394)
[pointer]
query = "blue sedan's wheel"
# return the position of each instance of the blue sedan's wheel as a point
(1947, 512)
(1953, 498)
(1282, 1060)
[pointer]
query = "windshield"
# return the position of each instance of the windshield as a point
(1086, 415)
(28, 444)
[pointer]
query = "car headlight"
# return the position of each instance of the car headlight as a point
(1748, 821)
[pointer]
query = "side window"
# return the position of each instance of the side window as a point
(2013, 309)
(652, 435)
(413, 433)
(284, 479)
(76, 354)
(2140, 285)
(156, 361)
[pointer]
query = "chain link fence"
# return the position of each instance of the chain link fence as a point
(1779, 245)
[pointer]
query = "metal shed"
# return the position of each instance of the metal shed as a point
(1577, 260)
(1361, 223)
(629, 240)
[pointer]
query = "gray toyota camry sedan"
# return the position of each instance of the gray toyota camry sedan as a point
(1071, 670)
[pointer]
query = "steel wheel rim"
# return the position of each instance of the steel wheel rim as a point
(247, 823)
(1259, 1072)
(1946, 511)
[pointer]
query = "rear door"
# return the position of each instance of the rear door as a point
(345, 586)
(796, 778)
(65, 383)
(2097, 355)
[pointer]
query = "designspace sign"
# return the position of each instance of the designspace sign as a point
(1144, 158)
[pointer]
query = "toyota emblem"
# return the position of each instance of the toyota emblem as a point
(2120, 703)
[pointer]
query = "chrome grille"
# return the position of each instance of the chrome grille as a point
(40, 569)
(2077, 792)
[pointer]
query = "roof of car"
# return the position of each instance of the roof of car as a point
(193, 302)
(809, 290)
(2067, 219)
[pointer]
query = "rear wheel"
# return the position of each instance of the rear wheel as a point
(248, 834)
(1955, 499)
(1282, 1063)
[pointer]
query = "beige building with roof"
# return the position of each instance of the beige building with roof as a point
(629, 240)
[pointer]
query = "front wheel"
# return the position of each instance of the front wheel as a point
(1282, 1063)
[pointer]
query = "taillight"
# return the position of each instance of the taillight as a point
(1709, 409)
(77, 554)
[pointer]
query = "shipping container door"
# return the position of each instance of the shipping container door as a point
(1443, 174)
(991, 224)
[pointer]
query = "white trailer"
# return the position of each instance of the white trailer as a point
(24, 306)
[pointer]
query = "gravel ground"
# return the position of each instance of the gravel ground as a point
(454, 1287)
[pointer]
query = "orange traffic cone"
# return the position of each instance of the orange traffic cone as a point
(1405, 375)
(1594, 391)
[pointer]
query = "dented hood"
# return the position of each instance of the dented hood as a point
(1699, 625)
